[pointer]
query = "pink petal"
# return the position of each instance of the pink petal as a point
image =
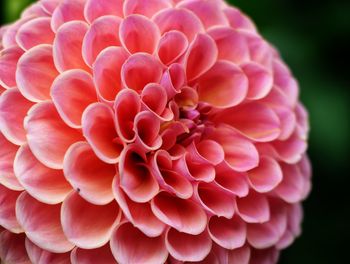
(214, 199)
(102, 33)
(87, 225)
(67, 91)
(138, 7)
(50, 5)
(266, 235)
(139, 214)
(97, 8)
(174, 19)
(240, 255)
(8, 219)
(169, 179)
(253, 208)
(292, 186)
(44, 184)
(260, 51)
(36, 72)
(92, 256)
(232, 45)
(201, 56)
(12, 249)
(13, 109)
(41, 223)
(183, 215)
(99, 131)
(172, 46)
(7, 155)
(260, 80)
(49, 149)
(67, 11)
(135, 74)
(253, 120)
(187, 247)
(136, 178)
(67, 46)
(238, 20)
(231, 181)
(106, 72)
(129, 245)
(34, 32)
(242, 155)
(266, 176)
(8, 65)
(81, 167)
(147, 127)
(34, 10)
(9, 36)
(173, 79)
(223, 86)
(139, 34)
(127, 105)
(227, 233)
(38, 255)
(209, 12)
(207, 151)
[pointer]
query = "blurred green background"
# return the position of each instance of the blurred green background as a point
(312, 37)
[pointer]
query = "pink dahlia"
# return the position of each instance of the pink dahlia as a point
(140, 132)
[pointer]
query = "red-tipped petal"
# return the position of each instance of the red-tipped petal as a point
(129, 245)
(87, 225)
(43, 119)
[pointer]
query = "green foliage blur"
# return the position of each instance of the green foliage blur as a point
(312, 37)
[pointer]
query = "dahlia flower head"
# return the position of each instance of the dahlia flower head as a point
(147, 131)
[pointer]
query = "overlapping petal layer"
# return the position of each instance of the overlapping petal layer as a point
(159, 131)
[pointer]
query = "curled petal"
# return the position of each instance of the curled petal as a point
(34, 32)
(173, 79)
(187, 247)
(138, 7)
(139, 214)
(232, 45)
(36, 72)
(8, 64)
(135, 74)
(81, 167)
(38, 255)
(97, 8)
(129, 245)
(253, 208)
(253, 120)
(228, 233)
(67, 11)
(139, 34)
(7, 155)
(13, 109)
(67, 46)
(106, 72)
(201, 56)
(127, 105)
(215, 200)
(172, 46)
(266, 176)
(174, 19)
(102, 33)
(87, 225)
(147, 128)
(66, 92)
(223, 86)
(99, 131)
(183, 215)
(209, 12)
(8, 219)
(43, 119)
(136, 178)
(41, 223)
(44, 184)
(207, 151)
(260, 80)
(12, 248)
(90, 256)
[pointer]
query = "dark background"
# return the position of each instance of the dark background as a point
(312, 37)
